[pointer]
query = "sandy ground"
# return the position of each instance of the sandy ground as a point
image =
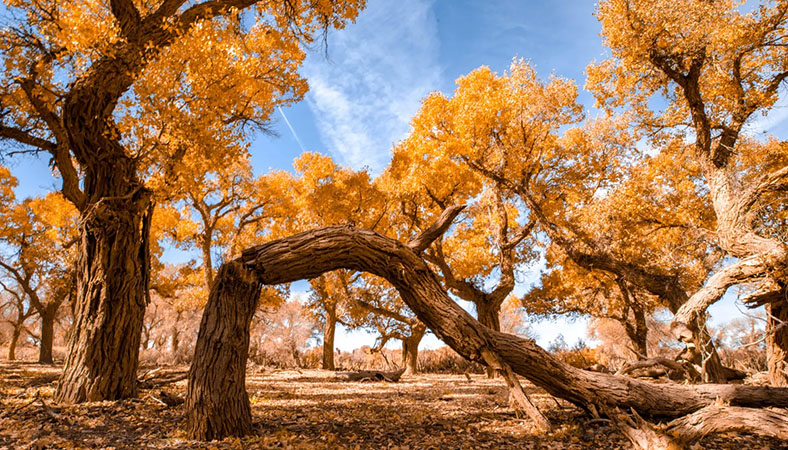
(311, 409)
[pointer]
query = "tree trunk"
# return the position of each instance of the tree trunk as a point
(175, 340)
(216, 401)
(329, 331)
(307, 255)
(47, 334)
(489, 316)
(410, 349)
(112, 284)
(638, 332)
(12, 343)
(777, 342)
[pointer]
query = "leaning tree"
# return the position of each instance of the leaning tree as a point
(117, 91)
(218, 405)
(714, 66)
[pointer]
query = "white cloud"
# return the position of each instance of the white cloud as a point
(377, 72)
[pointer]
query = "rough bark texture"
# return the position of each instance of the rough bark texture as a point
(488, 315)
(47, 334)
(329, 331)
(684, 432)
(410, 349)
(112, 278)
(307, 255)
(216, 401)
(777, 343)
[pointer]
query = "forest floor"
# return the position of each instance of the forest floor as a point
(311, 409)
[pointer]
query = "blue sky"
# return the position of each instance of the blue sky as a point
(377, 70)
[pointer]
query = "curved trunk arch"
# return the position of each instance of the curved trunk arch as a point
(217, 401)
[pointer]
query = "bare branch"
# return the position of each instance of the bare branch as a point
(25, 138)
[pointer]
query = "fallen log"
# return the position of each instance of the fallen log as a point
(655, 368)
(684, 432)
(217, 400)
(373, 375)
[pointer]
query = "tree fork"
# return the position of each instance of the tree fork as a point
(307, 255)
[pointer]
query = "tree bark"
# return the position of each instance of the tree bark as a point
(216, 401)
(777, 342)
(329, 331)
(112, 285)
(12, 344)
(47, 334)
(638, 336)
(307, 255)
(410, 349)
(489, 316)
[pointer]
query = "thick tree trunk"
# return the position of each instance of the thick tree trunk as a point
(410, 349)
(47, 335)
(112, 278)
(12, 344)
(307, 255)
(489, 316)
(777, 343)
(329, 331)
(216, 401)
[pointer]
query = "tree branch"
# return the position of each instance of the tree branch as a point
(436, 230)
(25, 138)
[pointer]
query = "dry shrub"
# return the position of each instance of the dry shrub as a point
(367, 358)
(446, 360)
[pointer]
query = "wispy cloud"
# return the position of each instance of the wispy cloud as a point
(370, 86)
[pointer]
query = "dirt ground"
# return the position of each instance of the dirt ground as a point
(310, 409)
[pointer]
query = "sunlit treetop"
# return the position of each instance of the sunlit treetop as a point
(714, 62)
(201, 74)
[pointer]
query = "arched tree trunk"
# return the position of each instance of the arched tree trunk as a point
(13, 343)
(218, 370)
(329, 331)
(47, 333)
(410, 349)
(112, 283)
(777, 342)
(216, 401)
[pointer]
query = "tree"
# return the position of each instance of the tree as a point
(16, 310)
(329, 296)
(119, 99)
(569, 289)
(477, 260)
(376, 305)
(282, 333)
(38, 235)
(219, 406)
(208, 208)
(506, 130)
(715, 67)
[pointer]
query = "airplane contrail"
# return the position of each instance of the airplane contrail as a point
(291, 129)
